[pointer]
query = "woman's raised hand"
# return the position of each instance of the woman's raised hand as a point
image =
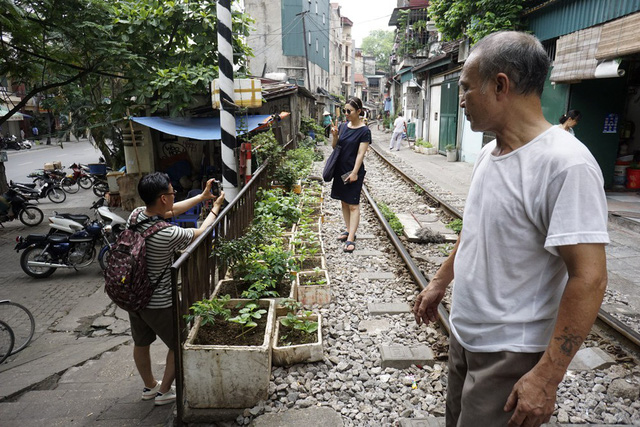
(334, 127)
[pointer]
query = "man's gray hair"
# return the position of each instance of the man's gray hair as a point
(518, 55)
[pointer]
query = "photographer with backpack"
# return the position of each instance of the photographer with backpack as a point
(137, 277)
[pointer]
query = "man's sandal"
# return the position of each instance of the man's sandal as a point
(347, 244)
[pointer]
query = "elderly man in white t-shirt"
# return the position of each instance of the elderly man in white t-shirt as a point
(529, 266)
(399, 127)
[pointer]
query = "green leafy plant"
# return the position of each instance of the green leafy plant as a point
(210, 310)
(316, 278)
(275, 205)
(455, 225)
(247, 317)
(391, 218)
(290, 305)
(449, 147)
(301, 322)
(265, 146)
(419, 191)
(445, 249)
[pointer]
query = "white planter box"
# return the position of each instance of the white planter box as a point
(452, 156)
(314, 294)
(432, 151)
(300, 353)
(218, 376)
(280, 310)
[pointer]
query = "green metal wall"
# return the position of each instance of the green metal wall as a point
(554, 100)
(566, 16)
(595, 99)
(292, 32)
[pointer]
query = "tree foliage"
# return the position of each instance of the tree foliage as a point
(379, 44)
(457, 19)
(102, 60)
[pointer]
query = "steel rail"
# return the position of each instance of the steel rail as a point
(450, 210)
(406, 257)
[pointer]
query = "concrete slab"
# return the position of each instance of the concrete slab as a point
(89, 307)
(591, 358)
(374, 326)
(412, 225)
(388, 308)
(380, 275)
(59, 354)
(308, 417)
(368, 252)
(366, 236)
(401, 357)
(422, 422)
(426, 218)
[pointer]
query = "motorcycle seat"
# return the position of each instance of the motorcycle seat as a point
(58, 238)
(25, 184)
(73, 217)
(31, 238)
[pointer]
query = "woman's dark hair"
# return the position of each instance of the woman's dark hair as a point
(571, 114)
(151, 186)
(356, 103)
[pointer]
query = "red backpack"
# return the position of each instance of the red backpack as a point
(126, 278)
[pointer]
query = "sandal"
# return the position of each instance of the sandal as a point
(344, 236)
(346, 246)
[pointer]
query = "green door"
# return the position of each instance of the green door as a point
(448, 113)
(596, 99)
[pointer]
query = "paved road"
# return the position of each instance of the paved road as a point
(22, 162)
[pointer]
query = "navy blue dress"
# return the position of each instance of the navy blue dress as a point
(350, 140)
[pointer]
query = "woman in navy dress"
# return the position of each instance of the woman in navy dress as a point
(354, 137)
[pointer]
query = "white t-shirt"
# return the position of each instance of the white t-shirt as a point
(508, 276)
(398, 125)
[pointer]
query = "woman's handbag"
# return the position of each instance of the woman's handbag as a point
(330, 166)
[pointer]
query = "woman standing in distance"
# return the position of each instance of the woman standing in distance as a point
(569, 120)
(354, 137)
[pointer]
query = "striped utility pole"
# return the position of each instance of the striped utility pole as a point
(227, 119)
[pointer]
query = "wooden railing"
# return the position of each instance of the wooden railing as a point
(196, 272)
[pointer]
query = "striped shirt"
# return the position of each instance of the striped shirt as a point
(161, 248)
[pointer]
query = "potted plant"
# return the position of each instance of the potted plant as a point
(313, 287)
(228, 349)
(452, 154)
(298, 339)
(267, 273)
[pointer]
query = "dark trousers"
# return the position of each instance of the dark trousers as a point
(480, 383)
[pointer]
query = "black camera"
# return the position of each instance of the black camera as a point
(216, 188)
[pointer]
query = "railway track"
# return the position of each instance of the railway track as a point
(622, 333)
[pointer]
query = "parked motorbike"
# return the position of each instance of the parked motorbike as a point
(13, 205)
(49, 189)
(100, 184)
(45, 253)
(67, 223)
(9, 142)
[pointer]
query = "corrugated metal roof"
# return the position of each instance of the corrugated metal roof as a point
(564, 17)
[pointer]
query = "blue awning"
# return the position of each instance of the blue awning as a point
(202, 128)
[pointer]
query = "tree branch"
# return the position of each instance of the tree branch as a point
(39, 89)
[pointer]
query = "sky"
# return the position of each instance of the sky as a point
(367, 15)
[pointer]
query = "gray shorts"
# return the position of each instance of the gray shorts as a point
(149, 323)
(480, 383)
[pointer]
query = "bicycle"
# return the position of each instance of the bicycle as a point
(21, 322)
(7, 339)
